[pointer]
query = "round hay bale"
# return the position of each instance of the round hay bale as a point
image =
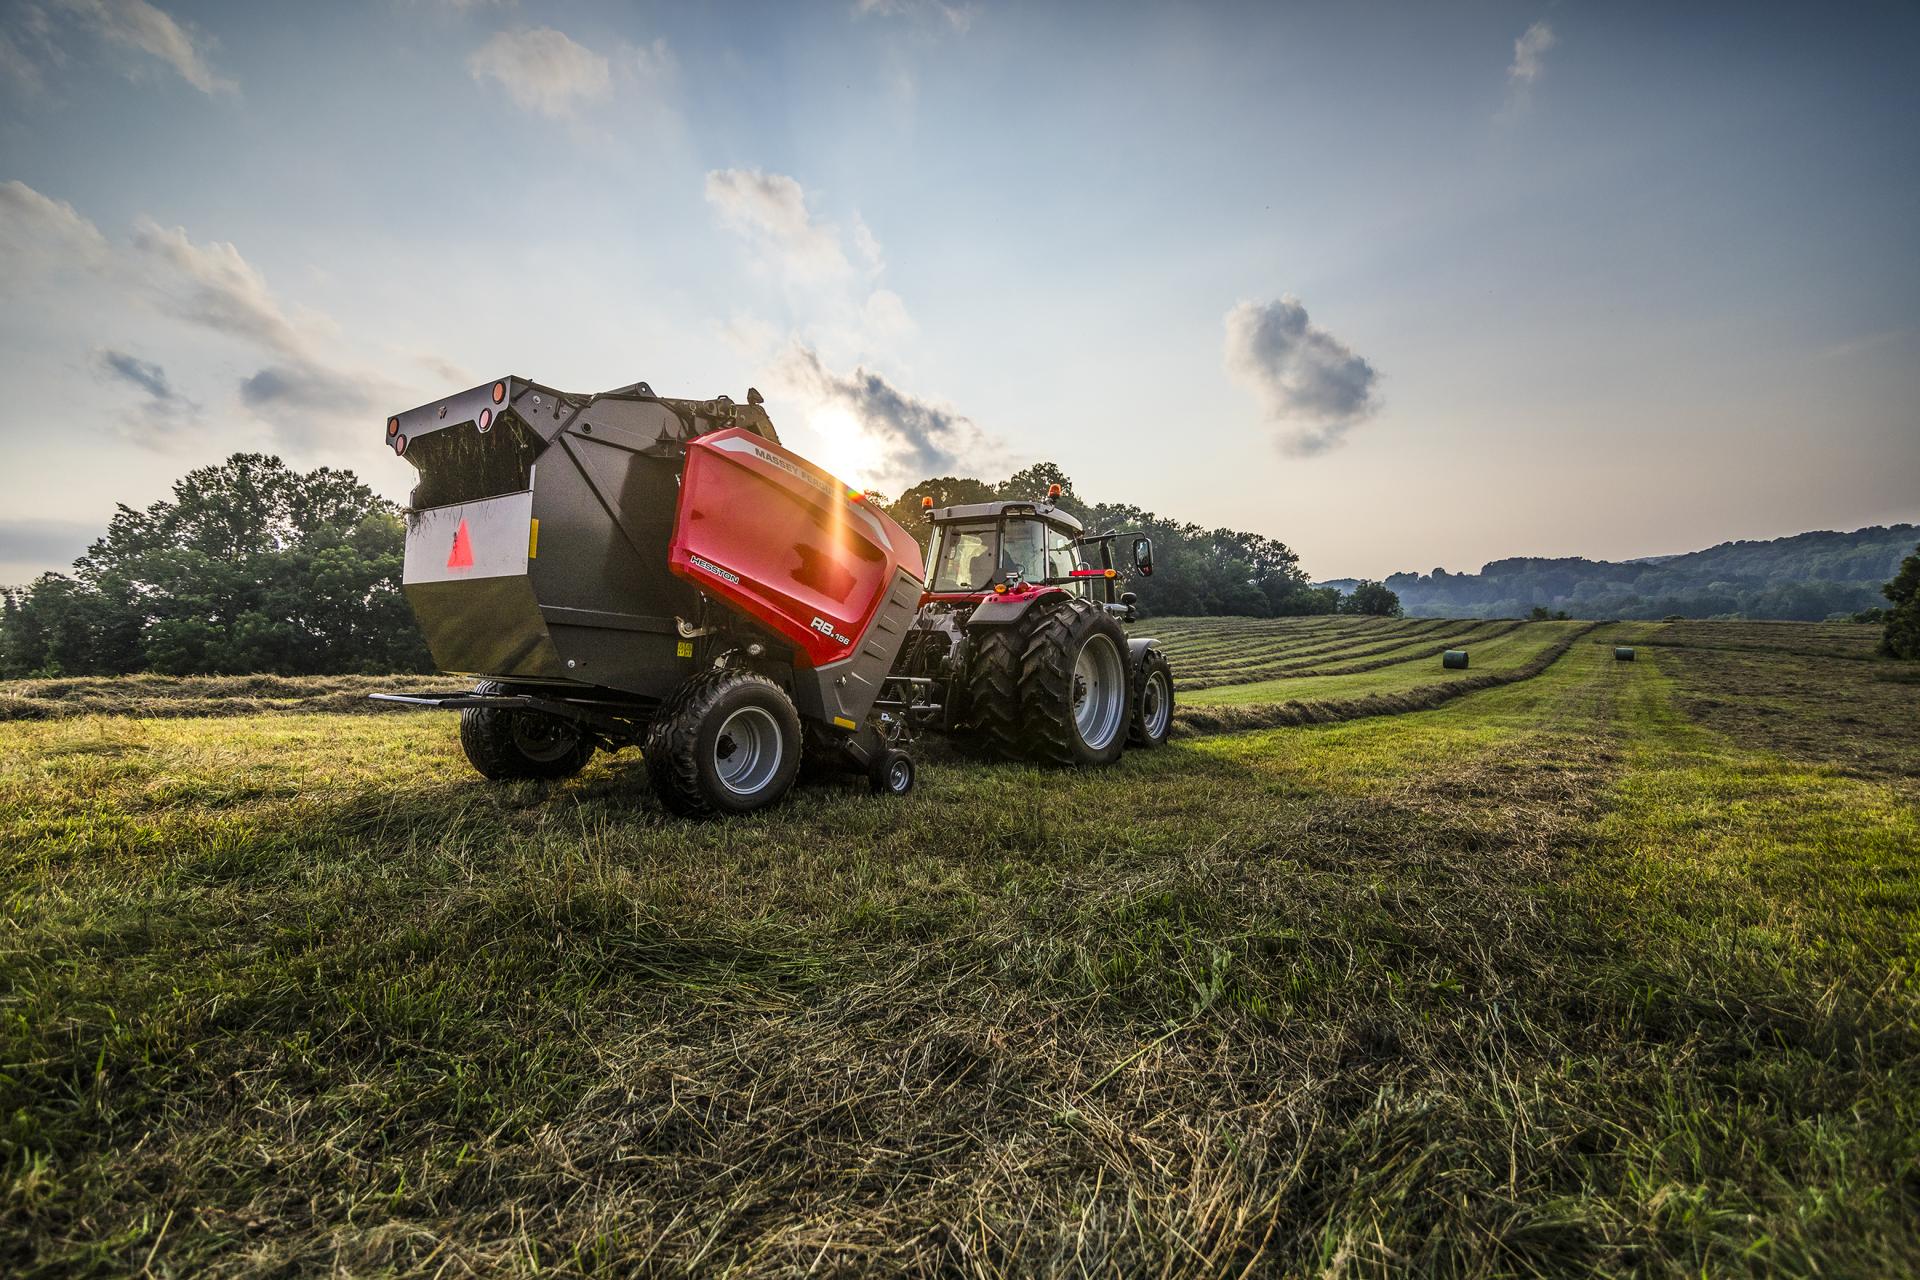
(1454, 660)
(1623, 653)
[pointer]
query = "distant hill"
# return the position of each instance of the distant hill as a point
(1808, 576)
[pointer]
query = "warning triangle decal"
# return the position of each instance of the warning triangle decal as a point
(461, 557)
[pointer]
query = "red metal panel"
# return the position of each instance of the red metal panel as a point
(774, 536)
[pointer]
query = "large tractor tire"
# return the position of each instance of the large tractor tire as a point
(1152, 701)
(1054, 688)
(728, 741)
(504, 744)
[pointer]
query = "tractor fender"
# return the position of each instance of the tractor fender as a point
(1002, 611)
(1137, 648)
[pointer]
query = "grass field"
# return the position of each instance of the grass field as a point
(1607, 968)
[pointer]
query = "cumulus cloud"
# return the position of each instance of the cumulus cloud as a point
(137, 25)
(769, 210)
(913, 438)
(1304, 376)
(543, 71)
(1529, 53)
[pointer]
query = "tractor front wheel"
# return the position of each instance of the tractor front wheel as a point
(504, 744)
(1152, 700)
(728, 741)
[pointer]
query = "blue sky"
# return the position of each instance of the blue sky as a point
(1402, 285)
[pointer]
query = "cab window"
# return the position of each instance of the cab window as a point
(1023, 551)
(963, 558)
(1063, 558)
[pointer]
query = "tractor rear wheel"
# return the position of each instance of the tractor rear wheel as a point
(504, 744)
(1054, 688)
(1152, 700)
(728, 741)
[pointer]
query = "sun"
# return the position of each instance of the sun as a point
(843, 447)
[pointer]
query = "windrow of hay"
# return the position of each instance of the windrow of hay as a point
(1384, 655)
(168, 696)
(1238, 719)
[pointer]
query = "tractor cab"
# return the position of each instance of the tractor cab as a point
(986, 548)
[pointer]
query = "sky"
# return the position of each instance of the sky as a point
(1402, 285)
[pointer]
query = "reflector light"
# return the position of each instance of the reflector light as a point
(1112, 573)
(393, 426)
(486, 419)
(399, 444)
(499, 392)
(999, 588)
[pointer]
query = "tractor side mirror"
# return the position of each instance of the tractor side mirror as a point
(1143, 556)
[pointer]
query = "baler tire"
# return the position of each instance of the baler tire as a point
(892, 773)
(496, 743)
(1152, 721)
(1049, 720)
(682, 750)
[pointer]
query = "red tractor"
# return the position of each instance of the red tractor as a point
(1018, 636)
(625, 569)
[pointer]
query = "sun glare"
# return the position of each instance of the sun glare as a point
(843, 448)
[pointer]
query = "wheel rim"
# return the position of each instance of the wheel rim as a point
(1156, 707)
(1099, 692)
(747, 751)
(543, 739)
(899, 775)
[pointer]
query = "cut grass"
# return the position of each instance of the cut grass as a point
(1550, 980)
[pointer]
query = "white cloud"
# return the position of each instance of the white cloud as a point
(885, 314)
(208, 286)
(769, 210)
(212, 286)
(42, 236)
(544, 71)
(1529, 52)
(138, 25)
(957, 18)
(1303, 375)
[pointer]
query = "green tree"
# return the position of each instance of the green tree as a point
(1902, 638)
(251, 566)
(1373, 599)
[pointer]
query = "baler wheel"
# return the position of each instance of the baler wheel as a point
(504, 745)
(1152, 717)
(728, 741)
(891, 773)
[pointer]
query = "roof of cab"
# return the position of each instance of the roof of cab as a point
(994, 510)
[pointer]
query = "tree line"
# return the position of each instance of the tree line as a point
(252, 566)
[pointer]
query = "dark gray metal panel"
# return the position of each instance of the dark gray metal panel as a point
(842, 693)
(485, 627)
